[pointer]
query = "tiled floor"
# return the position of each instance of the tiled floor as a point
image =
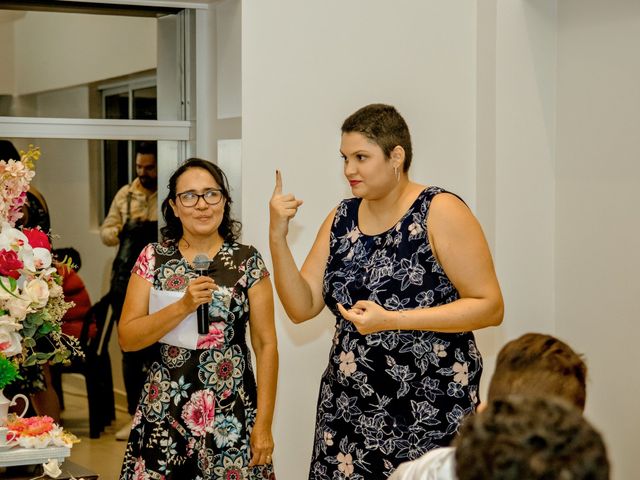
(102, 455)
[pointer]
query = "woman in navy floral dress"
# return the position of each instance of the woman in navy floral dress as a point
(408, 274)
(201, 414)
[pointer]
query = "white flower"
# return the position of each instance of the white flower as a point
(37, 292)
(55, 290)
(40, 441)
(52, 469)
(10, 342)
(10, 236)
(18, 308)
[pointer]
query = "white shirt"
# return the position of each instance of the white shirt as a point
(437, 464)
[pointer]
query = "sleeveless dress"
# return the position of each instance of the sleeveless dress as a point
(198, 407)
(389, 397)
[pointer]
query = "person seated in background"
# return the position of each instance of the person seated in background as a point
(530, 437)
(533, 364)
(74, 291)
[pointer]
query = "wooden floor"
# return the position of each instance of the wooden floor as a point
(102, 455)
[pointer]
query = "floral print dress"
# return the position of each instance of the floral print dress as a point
(198, 407)
(391, 396)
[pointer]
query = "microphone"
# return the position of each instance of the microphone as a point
(201, 264)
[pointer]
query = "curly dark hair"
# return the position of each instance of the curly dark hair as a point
(383, 125)
(539, 364)
(229, 228)
(521, 437)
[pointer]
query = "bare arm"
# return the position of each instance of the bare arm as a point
(461, 249)
(265, 346)
(300, 291)
(137, 329)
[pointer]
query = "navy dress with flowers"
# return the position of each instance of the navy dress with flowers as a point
(391, 396)
(198, 407)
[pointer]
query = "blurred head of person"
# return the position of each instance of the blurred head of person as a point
(147, 164)
(539, 364)
(534, 438)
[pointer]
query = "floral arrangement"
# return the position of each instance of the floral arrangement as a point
(40, 432)
(31, 298)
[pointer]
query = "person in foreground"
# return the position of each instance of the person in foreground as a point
(533, 364)
(521, 437)
(407, 273)
(201, 414)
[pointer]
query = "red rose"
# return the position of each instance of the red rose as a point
(10, 264)
(37, 238)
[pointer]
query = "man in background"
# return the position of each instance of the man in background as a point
(132, 223)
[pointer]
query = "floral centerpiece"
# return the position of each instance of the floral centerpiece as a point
(31, 298)
(40, 432)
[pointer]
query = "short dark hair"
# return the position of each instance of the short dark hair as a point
(147, 148)
(539, 364)
(8, 151)
(229, 229)
(522, 437)
(383, 125)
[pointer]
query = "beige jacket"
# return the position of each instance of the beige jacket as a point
(143, 208)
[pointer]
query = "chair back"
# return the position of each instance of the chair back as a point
(98, 314)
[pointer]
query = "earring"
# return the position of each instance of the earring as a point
(395, 170)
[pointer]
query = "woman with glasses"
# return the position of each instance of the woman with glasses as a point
(201, 413)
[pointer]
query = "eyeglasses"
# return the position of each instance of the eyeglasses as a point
(191, 199)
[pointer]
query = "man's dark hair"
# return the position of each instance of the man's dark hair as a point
(383, 125)
(530, 438)
(147, 148)
(538, 364)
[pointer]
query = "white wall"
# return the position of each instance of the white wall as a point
(525, 156)
(302, 74)
(598, 193)
(79, 50)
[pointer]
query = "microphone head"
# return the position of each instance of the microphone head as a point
(201, 262)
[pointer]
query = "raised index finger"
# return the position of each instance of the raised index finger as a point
(278, 188)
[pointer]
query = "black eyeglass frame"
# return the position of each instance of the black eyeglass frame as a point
(199, 196)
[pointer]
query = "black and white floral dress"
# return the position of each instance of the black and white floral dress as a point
(389, 397)
(198, 406)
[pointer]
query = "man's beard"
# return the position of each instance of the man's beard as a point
(148, 182)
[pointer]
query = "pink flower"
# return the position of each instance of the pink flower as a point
(215, 337)
(10, 264)
(199, 412)
(347, 363)
(345, 463)
(140, 470)
(37, 238)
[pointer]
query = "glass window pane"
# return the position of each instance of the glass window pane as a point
(145, 104)
(117, 106)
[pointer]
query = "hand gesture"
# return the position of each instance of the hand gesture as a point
(198, 293)
(368, 317)
(261, 445)
(282, 208)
